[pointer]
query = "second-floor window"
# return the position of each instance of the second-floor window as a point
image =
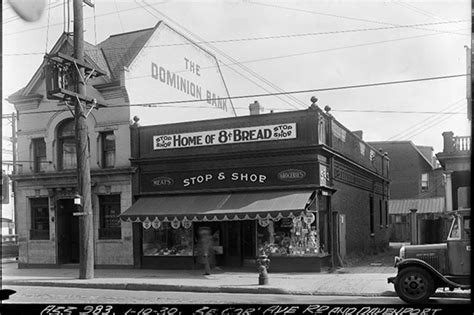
(424, 182)
(464, 197)
(39, 155)
(67, 145)
(108, 149)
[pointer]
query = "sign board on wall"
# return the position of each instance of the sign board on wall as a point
(270, 176)
(171, 68)
(225, 136)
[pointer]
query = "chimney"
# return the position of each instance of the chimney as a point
(358, 133)
(255, 108)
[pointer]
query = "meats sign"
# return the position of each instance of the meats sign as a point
(225, 136)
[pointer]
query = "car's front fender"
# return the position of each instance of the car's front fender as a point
(404, 263)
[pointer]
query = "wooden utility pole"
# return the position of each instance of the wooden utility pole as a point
(86, 231)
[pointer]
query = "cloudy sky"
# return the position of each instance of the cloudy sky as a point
(271, 46)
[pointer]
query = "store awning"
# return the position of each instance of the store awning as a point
(219, 206)
(425, 205)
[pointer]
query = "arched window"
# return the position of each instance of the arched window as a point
(66, 145)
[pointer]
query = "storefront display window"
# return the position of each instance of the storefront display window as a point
(167, 241)
(297, 236)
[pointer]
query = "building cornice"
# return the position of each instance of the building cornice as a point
(331, 190)
(294, 151)
(72, 174)
(107, 86)
(26, 102)
(358, 166)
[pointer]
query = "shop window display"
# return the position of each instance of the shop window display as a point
(290, 236)
(166, 240)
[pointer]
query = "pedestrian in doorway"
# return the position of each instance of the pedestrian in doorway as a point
(204, 248)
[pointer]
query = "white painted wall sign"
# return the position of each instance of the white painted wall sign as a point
(171, 68)
(225, 136)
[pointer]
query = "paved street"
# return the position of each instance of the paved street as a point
(35, 295)
(352, 281)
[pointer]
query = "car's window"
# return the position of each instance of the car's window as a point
(466, 227)
(455, 232)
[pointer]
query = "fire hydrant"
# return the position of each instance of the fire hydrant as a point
(263, 263)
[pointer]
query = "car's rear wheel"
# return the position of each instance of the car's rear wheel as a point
(414, 285)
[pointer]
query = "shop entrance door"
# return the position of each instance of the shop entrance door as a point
(249, 235)
(67, 227)
(342, 236)
(233, 248)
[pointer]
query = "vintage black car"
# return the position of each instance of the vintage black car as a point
(422, 269)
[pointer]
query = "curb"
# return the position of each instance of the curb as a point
(209, 289)
(9, 260)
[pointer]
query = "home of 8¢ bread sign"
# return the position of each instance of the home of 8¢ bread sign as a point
(225, 136)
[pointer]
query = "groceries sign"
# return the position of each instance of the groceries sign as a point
(225, 136)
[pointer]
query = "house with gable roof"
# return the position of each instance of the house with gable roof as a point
(417, 182)
(153, 76)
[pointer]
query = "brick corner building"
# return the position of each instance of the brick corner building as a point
(298, 186)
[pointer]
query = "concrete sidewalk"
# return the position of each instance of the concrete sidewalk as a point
(357, 281)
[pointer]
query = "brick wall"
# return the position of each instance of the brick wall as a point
(354, 203)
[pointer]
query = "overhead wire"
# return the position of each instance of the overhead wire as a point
(431, 125)
(439, 118)
(118, 14)
(430, 191)
(416, 9)
(420, 127)
(385, 83)
(56, 24)
(306, 34)
(427, 125)
(393, 26)
(15, 17)
(356, 19)
(236, 71)
(47, 29)
(246, 69)
(68, 16)
(304, 53)
(238, 62)
(423, 122)
(286, 36)
(11, 19)
(393, 111)
(244, 108)
(376, 84)
(266, 58)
